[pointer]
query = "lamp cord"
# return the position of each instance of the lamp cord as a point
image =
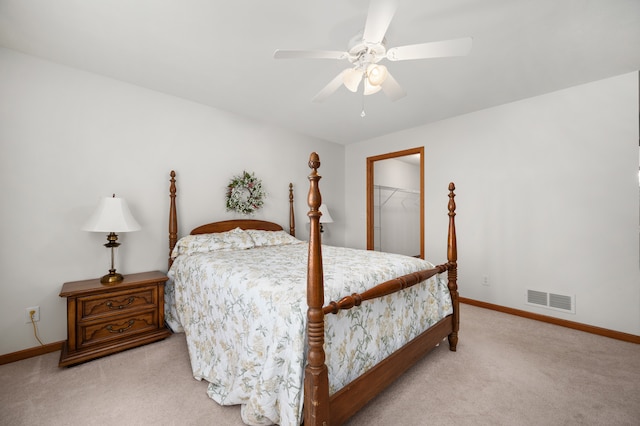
(35, 328)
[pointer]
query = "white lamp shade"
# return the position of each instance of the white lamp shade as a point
(326, 217)
(351, 79)
(376, 74)
(112, 215)
(370, 89)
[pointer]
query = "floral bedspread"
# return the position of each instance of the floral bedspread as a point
(244, 315)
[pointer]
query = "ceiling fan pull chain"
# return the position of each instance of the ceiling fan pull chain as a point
(363, 114)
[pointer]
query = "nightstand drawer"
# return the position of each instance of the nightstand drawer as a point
(116, 328)
(116, 303)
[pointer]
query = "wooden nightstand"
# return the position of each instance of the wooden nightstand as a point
(104, 319)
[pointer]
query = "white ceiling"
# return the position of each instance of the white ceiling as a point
(220, 53)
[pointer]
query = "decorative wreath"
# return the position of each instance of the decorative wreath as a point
(245, 194)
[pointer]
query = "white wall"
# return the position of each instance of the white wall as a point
(547, 199)
(68, 138)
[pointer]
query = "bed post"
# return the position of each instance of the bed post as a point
(173, 217)
(316, 381)
(452, 273)
(292, 218)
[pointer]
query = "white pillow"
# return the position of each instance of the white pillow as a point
(236, 239)
(271, 238)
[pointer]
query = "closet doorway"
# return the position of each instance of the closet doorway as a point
(395, 202)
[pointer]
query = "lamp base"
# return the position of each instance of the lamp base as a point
(112, 278)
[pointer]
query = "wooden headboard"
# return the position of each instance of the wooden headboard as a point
(225, 225)
(228, 225)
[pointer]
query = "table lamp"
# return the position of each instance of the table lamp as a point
(112, 215)
(326, 217)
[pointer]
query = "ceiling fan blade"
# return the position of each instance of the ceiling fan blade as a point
(392, 89)
(329, 88)
(378, 19)
(436, 49)
(309, 54)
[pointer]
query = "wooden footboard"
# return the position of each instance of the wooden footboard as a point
(350, 399)
(319, 408)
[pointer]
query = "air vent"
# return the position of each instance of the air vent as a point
(537, 297)
(558, 302)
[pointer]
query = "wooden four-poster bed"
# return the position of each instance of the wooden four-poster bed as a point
(192, 301)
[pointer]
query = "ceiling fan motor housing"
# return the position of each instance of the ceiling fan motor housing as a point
(363, 53)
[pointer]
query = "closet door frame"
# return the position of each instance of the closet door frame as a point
(370, 196)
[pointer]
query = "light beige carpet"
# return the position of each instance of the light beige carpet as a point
(507, 371)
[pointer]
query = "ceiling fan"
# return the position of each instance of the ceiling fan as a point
(368, 48)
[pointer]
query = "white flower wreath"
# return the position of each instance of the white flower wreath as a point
(245, 194)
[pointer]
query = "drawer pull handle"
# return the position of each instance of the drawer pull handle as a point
(121, 330)
(110, 304)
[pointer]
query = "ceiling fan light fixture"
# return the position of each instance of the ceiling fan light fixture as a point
(370, 89)
(376, 74)
(351, 79)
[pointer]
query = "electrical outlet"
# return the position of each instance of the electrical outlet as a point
(485, 280)
(36, 315)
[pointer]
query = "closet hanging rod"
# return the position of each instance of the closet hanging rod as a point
(393, 188)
